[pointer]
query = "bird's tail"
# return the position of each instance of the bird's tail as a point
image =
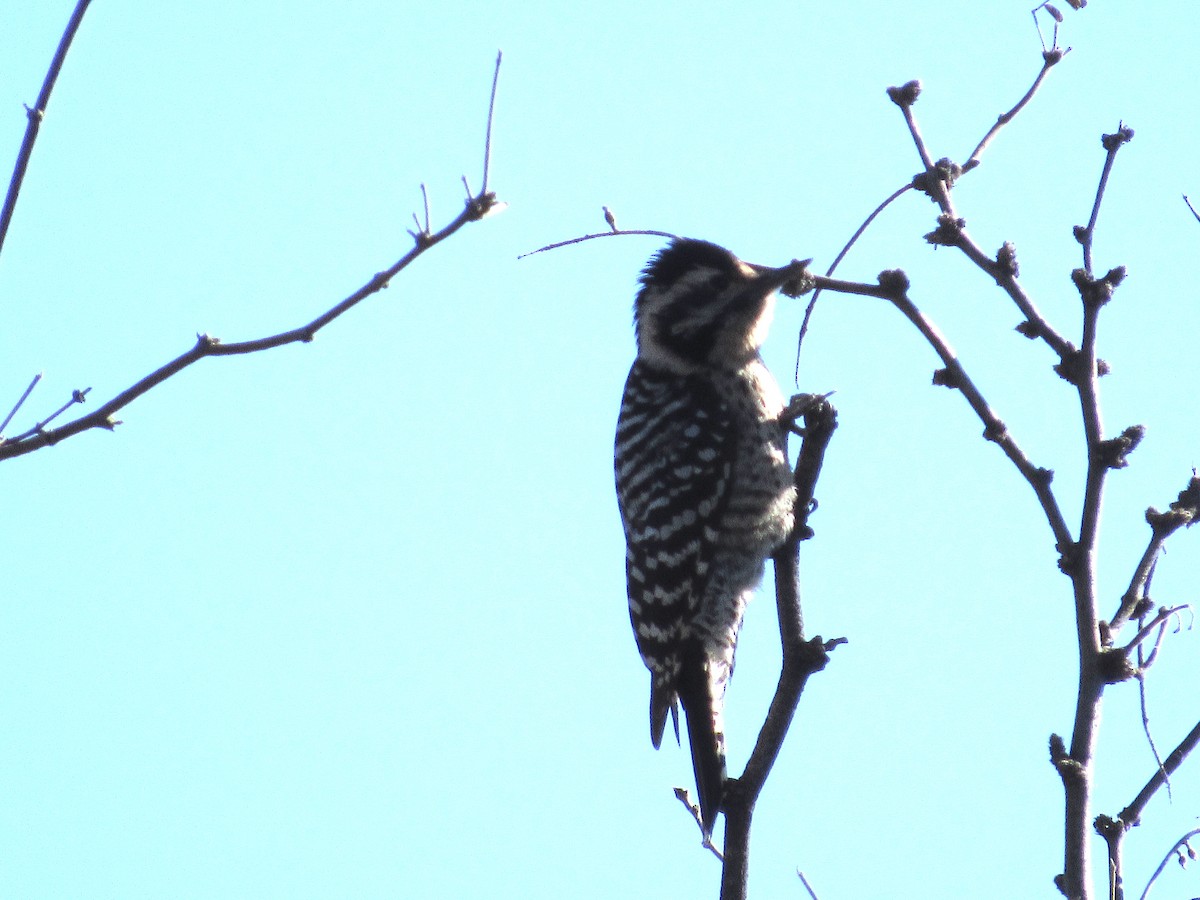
(702, 697)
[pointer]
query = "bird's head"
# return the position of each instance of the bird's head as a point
(699, 306)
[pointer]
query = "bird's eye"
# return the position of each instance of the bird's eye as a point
(720, 283)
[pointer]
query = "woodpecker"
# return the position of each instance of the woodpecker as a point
(703, 483)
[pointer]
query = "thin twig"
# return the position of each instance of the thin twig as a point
(487, 143)
(1143, 701)
(839, 286)
(891, 198)
(76, 397)
(1182, 512)
(1192, 208)
(937, 182)
(19, 403)
(477, 206)
(833, 267)
(955, 376)
(915, 132)
(1112, 143)
(808, 887)
(1166, 859)
(1049, 59)
(1160, 620)
(1036, 322)
(598, 234)
(1145, 711)
(706, 842)
(209, 346)
(1055, 15)
(35, 117)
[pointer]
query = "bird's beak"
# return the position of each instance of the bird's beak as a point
(793, 278)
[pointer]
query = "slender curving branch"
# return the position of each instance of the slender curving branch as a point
(1050, 58)
(893, 286)
(35, 116)
(1005, 273)
(205, 345)
(837, 260)
(937, 181)
(476, 207)
(1175, 848)
(1159, 623)
(612, 232)
(487, 138)
(1191, 208)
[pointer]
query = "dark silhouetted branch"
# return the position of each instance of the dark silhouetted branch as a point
(801, 658)
(477, 206)
(20, 402)
(1050, 58)
(1114, 830)
(35, 115)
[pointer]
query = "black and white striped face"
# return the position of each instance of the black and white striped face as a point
(700, 306)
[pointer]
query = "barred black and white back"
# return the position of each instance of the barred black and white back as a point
(703, 483)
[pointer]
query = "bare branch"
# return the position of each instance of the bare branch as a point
(905, 96)
(1183, 511)
(1083, 370)
(1132, 813)
(808, 887)
(35, 116)
(1144, 708)
(860, 288)
(1192, 208)
(487, 142)
(1111, 143)
(1159, 622)
(1174, 851)
(896, 194)
(1005, 273)
(613, 232)
(76, 397)
(801, 658)
(937, 181)
(1050, 58)
(1003, 268)
(895, 289)
(209, 346)
(20, 402)
(693, 809)
(477, 206)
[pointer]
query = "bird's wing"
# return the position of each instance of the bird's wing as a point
(674, 467)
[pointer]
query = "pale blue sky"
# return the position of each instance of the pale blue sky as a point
(348, 619)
